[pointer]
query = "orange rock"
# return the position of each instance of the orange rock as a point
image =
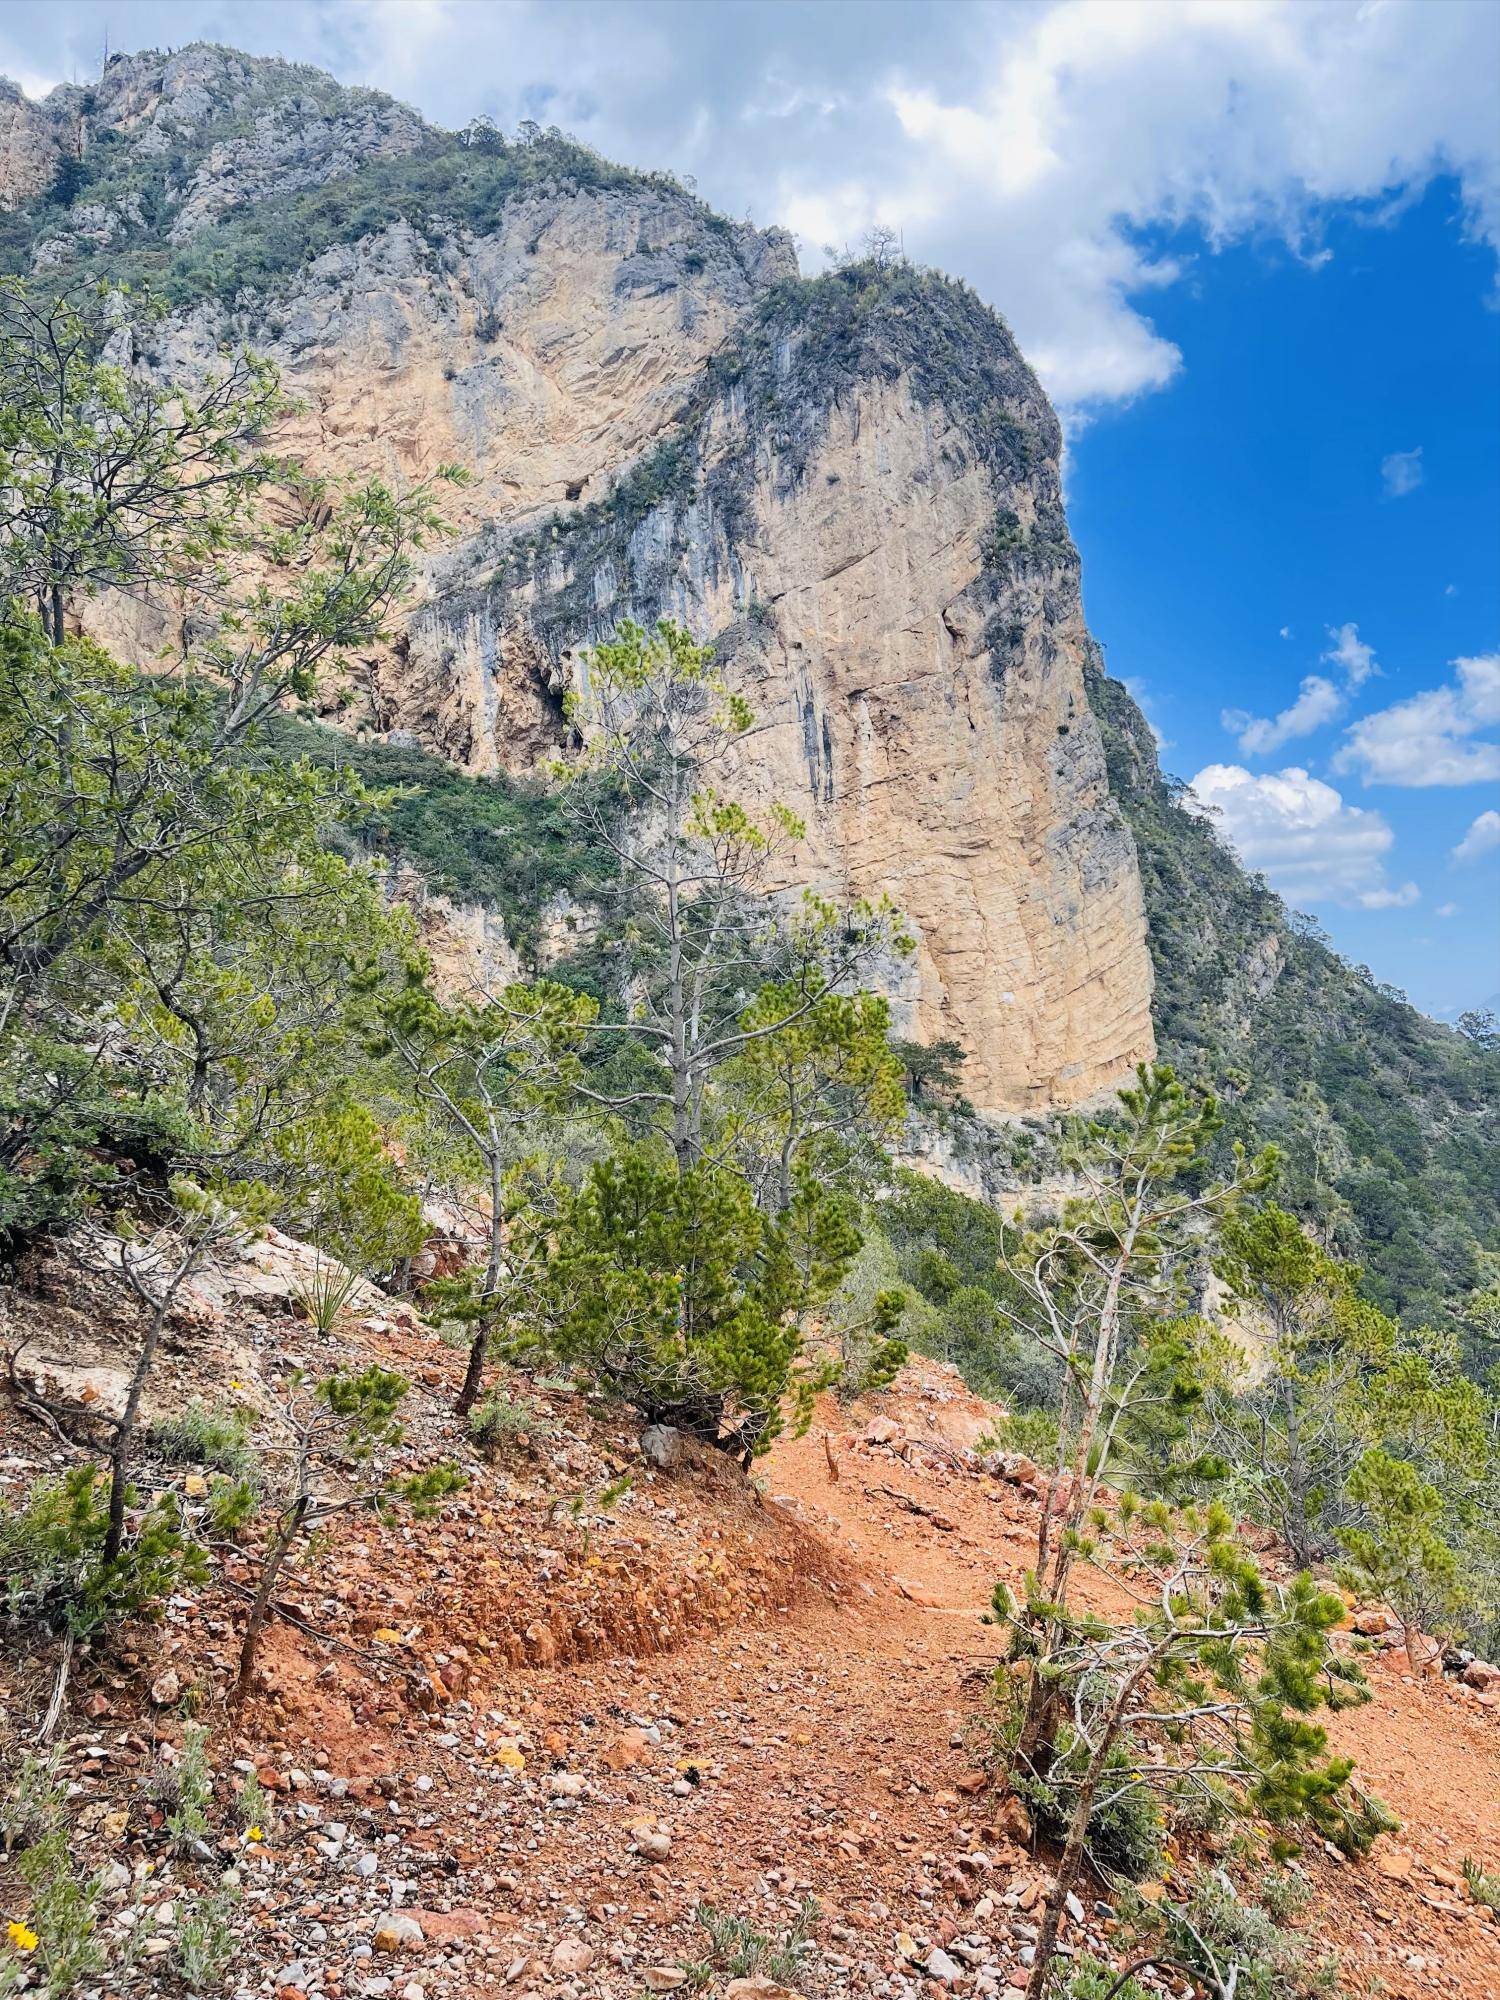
(628, 1749)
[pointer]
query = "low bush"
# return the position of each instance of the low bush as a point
(502, 1421)
(215, 1435)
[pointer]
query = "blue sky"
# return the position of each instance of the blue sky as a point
(1250, 247)
(1247, 500)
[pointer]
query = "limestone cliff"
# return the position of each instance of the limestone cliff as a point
(850, 483)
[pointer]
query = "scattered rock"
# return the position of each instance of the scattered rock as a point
(662, 1446)
(166, 1688)
(1482, 1675)
(399, 1931)
(571, 1956)
(941, 1966)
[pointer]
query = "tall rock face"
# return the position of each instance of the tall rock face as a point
(850, 484)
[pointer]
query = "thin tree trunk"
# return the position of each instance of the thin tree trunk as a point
(1071, 1864)
(261, 1604)
(119, 1452)
(473, 1381)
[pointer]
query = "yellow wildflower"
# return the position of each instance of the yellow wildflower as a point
(254, 1833)
(21, 1937)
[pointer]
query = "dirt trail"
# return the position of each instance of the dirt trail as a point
(543, 1745)
(834, 1754)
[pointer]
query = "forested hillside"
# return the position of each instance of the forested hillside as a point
(1389, 1121)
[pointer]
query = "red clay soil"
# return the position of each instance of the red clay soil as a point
(555, 1744)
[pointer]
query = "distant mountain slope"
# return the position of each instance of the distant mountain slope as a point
(1390, 1122)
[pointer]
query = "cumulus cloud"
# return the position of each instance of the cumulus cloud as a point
(1042, 151)
(1350, 654)
(1298, 832)
(1401, 472)
(1431, 738)
(1318, 701)
(1447, 910)
(1482, 838)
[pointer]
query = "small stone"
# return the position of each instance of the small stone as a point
(941, 1966)
(654, 1846)
(166, 1688)
(397, 1931)
(663, 1978)
(661, 1446)
(571, 1956)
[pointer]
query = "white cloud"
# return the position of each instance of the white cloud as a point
(1285, 632)
(1029, 148)
(1298, 832)
(1350, 653)
(1429, 739)
(1390, 899)
(1446, 910)
(1482, 838)
(1402, 473)
(1318, 701)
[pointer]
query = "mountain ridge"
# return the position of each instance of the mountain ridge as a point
(851, 483)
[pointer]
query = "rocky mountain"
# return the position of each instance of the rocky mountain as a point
(850, 483)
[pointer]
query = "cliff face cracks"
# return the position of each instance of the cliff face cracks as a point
(850, 484)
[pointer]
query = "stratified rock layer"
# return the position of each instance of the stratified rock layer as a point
(850, 484)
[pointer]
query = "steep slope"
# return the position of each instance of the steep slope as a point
(549, 1727)
(851, 484)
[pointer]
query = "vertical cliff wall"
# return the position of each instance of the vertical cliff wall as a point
(850, 484)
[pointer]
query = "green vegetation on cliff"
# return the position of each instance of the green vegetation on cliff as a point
(1387, 1120)
(111, 208)
(498, 841)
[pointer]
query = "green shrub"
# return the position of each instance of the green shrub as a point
(737, 1950)
(1091, 1978)
(205, 1945)
(32, 1802)
(502, 1421)
(1227, 1941)
(1126, 1832)
(216, 1435)
(64, 1907)
(186, 1789)
(252, 1802)
(1032, 1433)
(51, 1556)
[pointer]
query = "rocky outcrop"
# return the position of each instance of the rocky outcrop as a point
(850, 484)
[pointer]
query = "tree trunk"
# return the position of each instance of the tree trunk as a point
(1071, 1864)
(275, 1560)
(468, 1395)
(119, 1453)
